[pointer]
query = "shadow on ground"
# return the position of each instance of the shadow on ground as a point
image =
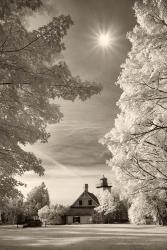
(84, 237)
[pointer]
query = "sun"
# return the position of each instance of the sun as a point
(104, 40)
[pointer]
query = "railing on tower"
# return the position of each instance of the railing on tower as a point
(100, 184)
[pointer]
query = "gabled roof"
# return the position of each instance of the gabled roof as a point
(94, 198)
(91, 195)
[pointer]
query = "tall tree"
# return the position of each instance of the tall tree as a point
(138, 142)
(31, 77)
(37, 198)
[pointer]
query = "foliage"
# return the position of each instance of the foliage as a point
(37, 198)
(138, 142)
(111, 208)
(10, 209)
(43, 213)
(9, 7)
(57, 213)
(52, 215)
(147, 209)
(121, 212)
(32, 76)
(107, 203)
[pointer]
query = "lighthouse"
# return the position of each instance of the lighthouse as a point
(104, 184)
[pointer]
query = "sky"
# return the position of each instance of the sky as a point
(73, 156)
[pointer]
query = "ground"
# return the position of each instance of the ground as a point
(84, 237)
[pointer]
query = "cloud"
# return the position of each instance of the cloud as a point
(71, 146)
(65, 187)
(71, 158)
(73, 155)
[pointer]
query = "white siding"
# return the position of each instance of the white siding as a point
(69, 219)
(85, 219)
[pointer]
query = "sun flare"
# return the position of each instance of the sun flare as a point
(104, 40)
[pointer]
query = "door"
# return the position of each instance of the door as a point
(76, 219)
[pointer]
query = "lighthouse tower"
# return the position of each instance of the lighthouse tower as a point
(104, 184)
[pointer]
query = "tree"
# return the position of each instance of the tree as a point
(10, 209)
(53, 215)
(138, 142)
(32, 76)
(112, 208)
(106, 208)
(148, 209)
(107, 203)
(43, 214)
(37, 198)
(141, 211)
(57, 213)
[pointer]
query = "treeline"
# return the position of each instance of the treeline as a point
(17, 211)
(112, 209)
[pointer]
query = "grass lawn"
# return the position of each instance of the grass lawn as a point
(84, 237)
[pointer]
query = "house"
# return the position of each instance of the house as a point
(82, 210)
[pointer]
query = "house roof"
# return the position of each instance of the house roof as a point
(94, 198)
(91, 195)
(79, 211)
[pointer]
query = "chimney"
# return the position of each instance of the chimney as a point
(86, 187)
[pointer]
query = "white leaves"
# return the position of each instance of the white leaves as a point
(138, 140)
(140, 210)
(107, 204)
(147, 209)
(43, 213)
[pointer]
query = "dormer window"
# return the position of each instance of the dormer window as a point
(90, 202)
(80, 202)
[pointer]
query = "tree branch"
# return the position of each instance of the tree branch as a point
(140, 167)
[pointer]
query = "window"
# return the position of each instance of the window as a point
(80, 202)
(89, 202)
